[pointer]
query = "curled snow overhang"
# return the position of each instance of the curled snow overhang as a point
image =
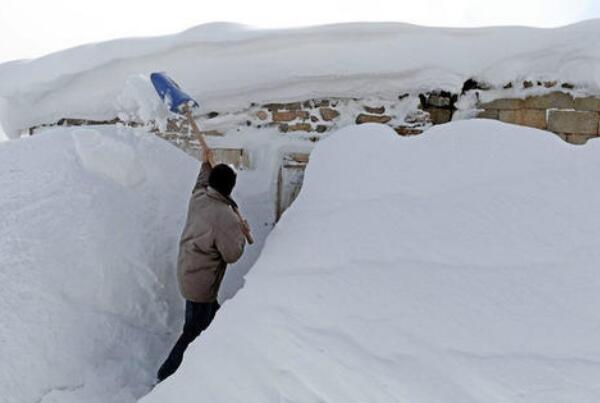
(227, 66)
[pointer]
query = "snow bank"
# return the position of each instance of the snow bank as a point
(91, 219)
(227, 66)
(138, 101)
(87, 249)
(456, 266)
(3, 135)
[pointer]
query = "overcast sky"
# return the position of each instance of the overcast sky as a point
(30, 28)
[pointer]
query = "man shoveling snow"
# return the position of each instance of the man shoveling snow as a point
(214, 234)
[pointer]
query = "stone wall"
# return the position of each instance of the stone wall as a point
(574, 119)
(548, 105)
(319, 116)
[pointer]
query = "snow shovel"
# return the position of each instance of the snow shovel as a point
(181, 103)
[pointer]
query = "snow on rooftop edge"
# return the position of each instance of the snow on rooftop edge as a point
(229, 65)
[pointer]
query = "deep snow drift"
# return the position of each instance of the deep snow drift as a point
(90, 224)
(455, 266)
(228, 66)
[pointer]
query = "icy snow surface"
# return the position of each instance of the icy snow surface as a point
(228, 66)
(456, 266)
(90, 224)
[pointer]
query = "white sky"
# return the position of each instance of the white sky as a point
(30, 28)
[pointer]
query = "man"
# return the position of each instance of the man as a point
(213, 236)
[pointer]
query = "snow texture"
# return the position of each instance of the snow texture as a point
(91, 219)
(87, 240)
(455, 266)
(459, 265)
(228, 66)
(138, 101)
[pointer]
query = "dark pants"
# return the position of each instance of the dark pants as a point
(198, 316)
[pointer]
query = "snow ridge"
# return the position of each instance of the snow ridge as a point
(226, 66)
(450, 266)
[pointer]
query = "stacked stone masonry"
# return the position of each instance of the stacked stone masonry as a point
(574, 119)
(322, 115)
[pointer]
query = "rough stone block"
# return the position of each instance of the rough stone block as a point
(578, 139)
(292, 106)
(364, 118)
(379, 110)
(321, 102)
(328, 113)
(489, 114)
(573, 122)
(304, 115)
(557, 99)
(408, 131)
(587, 104)
(283, 116)
(525, 117)
(503, 103)
(174, 125)
(262, 115)
(527, 84)
(439, 101)
(300, 127)
(439, 115)
(273, 107)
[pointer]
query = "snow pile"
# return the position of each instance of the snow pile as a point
(456, 266)
(138, 101)
(227, 66)
(91, 219)
(3, 135)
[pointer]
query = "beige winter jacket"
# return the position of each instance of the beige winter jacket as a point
(212, 238)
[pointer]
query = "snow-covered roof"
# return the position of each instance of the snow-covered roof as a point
(227, 66)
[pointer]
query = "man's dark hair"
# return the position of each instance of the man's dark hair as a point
(222, 179)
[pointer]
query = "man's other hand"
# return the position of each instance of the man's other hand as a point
(207, 155)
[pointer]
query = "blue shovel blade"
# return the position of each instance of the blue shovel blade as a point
(171, 93)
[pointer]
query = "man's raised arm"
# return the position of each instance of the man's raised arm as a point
(205, 169)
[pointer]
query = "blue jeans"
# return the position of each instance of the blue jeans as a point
(198, 316)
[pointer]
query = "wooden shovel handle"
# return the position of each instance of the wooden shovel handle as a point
(248, 234)
(197, 132)
(205, 146)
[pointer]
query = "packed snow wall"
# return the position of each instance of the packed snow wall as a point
(455, 266)
(90, 223)
(91, 219)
